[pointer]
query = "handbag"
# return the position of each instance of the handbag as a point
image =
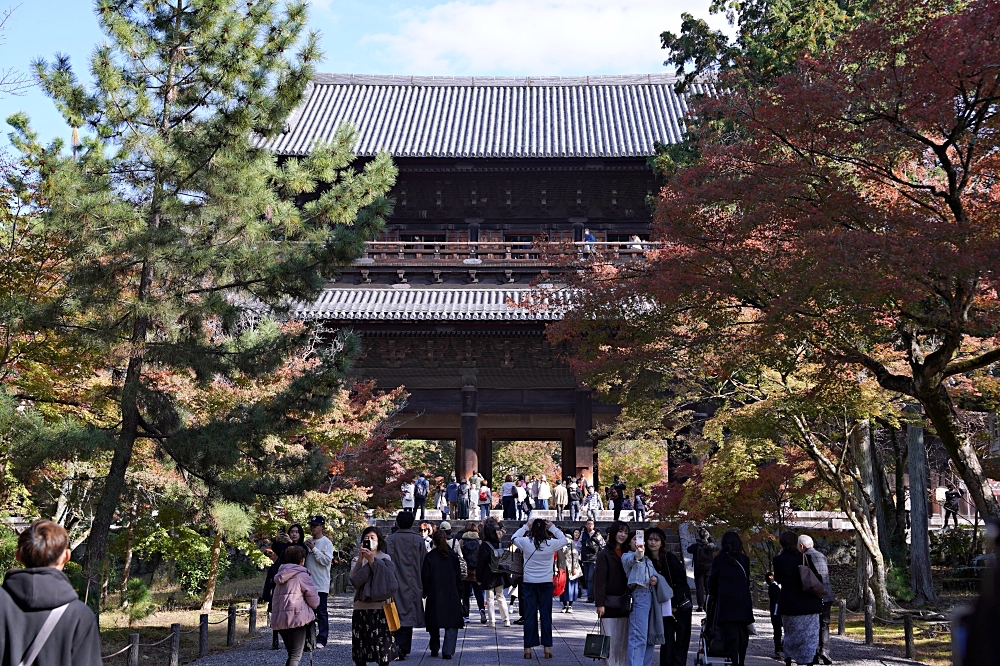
(559, 583)
(512, 562)
(811, 583)
(391, 615)
(621, 602)
(597, 645)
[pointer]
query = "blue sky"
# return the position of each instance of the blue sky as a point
(458, 37)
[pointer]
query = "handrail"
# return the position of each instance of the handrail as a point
(504, 251)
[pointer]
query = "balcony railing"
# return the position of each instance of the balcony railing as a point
(502, 252)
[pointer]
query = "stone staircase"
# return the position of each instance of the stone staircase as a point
(511, 526)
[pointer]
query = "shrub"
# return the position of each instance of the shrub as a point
(954, 547)
(193, 567)
(8, 547)
(139, 600)
(897, 581)
(74, 571)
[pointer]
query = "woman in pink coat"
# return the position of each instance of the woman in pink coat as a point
(293, 603)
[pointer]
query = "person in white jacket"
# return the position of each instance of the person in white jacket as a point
(318, 561)
(539, 540)
(544, 494)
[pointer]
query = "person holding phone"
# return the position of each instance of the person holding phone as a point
(375, 580)
(646, 620)
(611, 593)
(676, 614)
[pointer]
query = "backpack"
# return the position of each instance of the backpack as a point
(495, 555)
(484, 495)
(470, 553)
(420, 488)
(574, 493)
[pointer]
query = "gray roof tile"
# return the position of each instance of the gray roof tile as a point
(413, 116)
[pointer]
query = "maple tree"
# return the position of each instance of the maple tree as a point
(845, 215)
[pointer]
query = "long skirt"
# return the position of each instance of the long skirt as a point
(801, 640)
(617, 629)
(370, 638)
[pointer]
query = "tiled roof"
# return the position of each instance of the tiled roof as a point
(434, 304)
(596, 116)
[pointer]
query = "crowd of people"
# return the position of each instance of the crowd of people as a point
(472, 498)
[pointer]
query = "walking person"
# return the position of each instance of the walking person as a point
(295, 599)
(490, 577)
(485, 500)
(406, 548)
(951, 498)
(319, 558)
(463, 500)
(375, 580)
(544, 494)
(676, 616)
(406, 491)
(573, 496)
(507, 500)
(799, 609)
(441, 501)
(421, 488)
(611, 592)
(616, 496)
(592, 503)
(441, 580)
(773, 596)
(293, 536)
(729, 587)
(568, 560)
(40, 591)
(645, 630)
(521, 498)
(451, 494)
(702, 551)
(539, 540)
(640, 505)
(469, 551)
(560, 497)
(819, 562)
(591, 543)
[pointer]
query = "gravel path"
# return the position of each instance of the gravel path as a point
(479, 645)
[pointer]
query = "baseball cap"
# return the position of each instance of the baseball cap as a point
(445, 525)
(316, 521)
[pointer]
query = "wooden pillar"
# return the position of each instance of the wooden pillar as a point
(568, 457)
(584, 450)
(486, 460)
(468, 445)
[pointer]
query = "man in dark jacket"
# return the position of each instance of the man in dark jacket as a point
(31, 594)
(702, 551)
(591, 543)
(407, 550)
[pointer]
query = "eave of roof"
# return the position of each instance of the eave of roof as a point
(434, 304)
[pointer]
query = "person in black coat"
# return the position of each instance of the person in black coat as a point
(676, 627)
(441, 576)
(293, 536)
(799, 610)
(31, 594)
(729, 589)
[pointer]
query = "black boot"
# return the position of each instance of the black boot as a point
(274, 640)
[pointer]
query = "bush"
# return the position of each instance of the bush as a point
(193, 567)
(74, 571)
(954, 547)
(8, 547)
(897, 581)
(139, 600)
(240, 567)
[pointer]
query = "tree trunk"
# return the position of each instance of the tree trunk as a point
(882, 498)
(129, 545)
(938, 407)
(920, 547)
(871, 566)
(213, 574)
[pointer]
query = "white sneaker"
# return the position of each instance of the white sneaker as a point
(506, 623)
(569, 610)
(490, 624)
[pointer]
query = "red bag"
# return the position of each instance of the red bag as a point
(559, 583)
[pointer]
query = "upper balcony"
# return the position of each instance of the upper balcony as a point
(500, 254)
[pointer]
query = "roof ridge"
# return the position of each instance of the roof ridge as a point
(493, 81)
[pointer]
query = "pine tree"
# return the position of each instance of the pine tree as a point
(185, 223)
